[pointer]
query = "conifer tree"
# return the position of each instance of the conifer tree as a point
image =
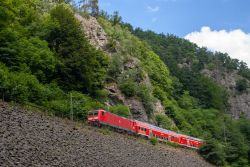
(94, 8)
(90, 6)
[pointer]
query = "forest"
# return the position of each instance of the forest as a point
(46, 58)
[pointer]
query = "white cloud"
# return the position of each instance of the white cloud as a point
(235, 42)
(153, 9)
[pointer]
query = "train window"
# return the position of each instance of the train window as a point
(102, 113)
(93, 113)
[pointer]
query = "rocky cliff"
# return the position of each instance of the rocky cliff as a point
(99, 39)
(239, 102)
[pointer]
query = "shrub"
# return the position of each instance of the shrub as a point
(129, 88)
(121, 110)
(186, 101)
(241, 85)
(116, 65)
(81, 105)
(145, 93)
(101, 95)
(213, 152)
(164, 122)
(153, 141)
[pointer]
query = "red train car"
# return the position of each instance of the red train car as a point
(107, 118)
(164, 134)
(102, 117)
(142, 128)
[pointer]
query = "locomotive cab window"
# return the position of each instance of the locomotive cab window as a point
(102, 113)
(93, 113)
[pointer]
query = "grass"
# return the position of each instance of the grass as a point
(105, 131)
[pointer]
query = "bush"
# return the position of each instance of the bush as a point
(187, 102)
(241, 85)
(116, 65)
(121, 110)
(21, 87)
(101, 95)
(129, 88)
(153, 141)
(164, 122)
(145, 93)
(214, 152)
(81, 105)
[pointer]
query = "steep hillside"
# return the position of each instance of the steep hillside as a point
(61, 59)
(34, 139)
(127, 67)
(165, 98)
(181, 55)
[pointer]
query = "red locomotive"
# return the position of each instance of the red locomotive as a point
(102, 117)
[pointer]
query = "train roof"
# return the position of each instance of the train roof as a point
(168, 131)
(163, 130)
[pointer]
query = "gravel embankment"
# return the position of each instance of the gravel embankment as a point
(35, 139)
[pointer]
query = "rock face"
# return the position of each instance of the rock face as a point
(34, 139)
(99, 40)
(239, 101)
(134, 104)
(94, 31)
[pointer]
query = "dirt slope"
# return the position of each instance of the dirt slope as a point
(34, 139)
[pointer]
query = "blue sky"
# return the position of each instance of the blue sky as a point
(219, 25)
(181, 17)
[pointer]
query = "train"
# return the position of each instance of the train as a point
(101, 117)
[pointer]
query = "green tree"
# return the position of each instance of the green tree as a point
(214, 152)
(115, 18)
(82, 67)
(91, 6)
(241, 85)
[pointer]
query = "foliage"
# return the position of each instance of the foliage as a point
(241, 85)
(131, 81)
(44, 54)
(214, 152)
(186, 101)
(145, 93)
(201, 101)
(153, 141)
(116, 19)
(121, 110)
(45, 58)
(115, 67)
(129, 88)
(90, 6)
(83, 68)
(165, 122)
